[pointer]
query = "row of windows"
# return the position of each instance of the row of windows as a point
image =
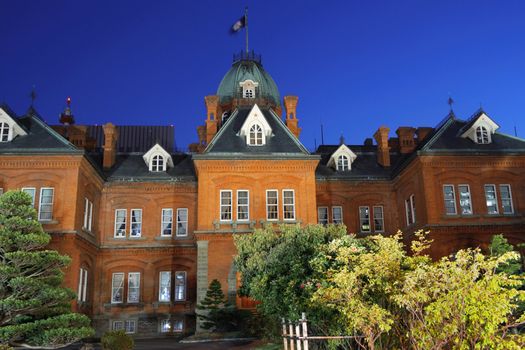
(337, 215)
(165, 326)
(465, 200)
(118, 281)
(370, 220)
(45, 203)
(243, 205)
(135, 227)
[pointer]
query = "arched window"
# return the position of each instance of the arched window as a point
(256, 135)
(4, 132)
(482, 135)
(343, 164)
(157, 163)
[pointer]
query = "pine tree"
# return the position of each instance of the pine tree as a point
(34, 308)
(211, 304)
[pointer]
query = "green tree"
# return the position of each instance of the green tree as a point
(211, 304)
(34, 307)
(499, 245)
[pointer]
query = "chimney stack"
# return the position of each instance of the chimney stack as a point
(407, 143)
(212, 119)
(110, 145)
(422, 132)
(383, 150)
(290, 107)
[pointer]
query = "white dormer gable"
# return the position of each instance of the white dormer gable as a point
(342, 159)
(9, 129)
(248, 88)
(158, 159)
(255, 128)
(481, 130)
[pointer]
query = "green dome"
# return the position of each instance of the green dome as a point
(243, 69)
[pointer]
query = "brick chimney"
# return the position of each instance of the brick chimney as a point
(212, 119)
(383, 150)
(110, 145)
(407, 142)
(290, 107)
(422, 132)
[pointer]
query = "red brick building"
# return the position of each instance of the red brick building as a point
(148, 228)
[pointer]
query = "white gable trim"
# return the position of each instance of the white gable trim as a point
(485, 121)
(255, 116)
(158, 150)
(342, 150)
(14, 129)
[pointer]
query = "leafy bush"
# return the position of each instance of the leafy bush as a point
(117, 340)
(5, 347)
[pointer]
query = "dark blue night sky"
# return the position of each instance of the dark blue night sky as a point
(355, 65)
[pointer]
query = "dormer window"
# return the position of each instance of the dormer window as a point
(4, 132)
(157, 159)
(343, 163)
(9, 128)
(482, 135)
(248, 88)
(256, 135)
(158, 163)
(248, 93)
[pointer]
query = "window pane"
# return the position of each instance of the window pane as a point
(322, 215)
(136, 222)
(165, 286)
(378, 219)
(337, 215)
(178, 325)
(45, 212)
(30, 191)
(117, 288)
(226, 205)
(167, 222)
(272, 205)
(118, 325)
(120, 223)
(288, 205)
(165, 326)
(130, 326)
(180, 285)
(490, 197)
(464, 200)
(450, 200)
(506, 199)
(364, 219)
(133, 287)
(182, 222)
(242, 205)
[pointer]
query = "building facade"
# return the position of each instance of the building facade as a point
(148, 228)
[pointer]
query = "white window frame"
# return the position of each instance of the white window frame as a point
(5, 136)
(256, 135)
(336, 221)
(363, 219)
(158, 163)
(177, 286)
(161, 298)
(242, 205)
(379, 218)
(114, 289)
(469, 199)
(410, 210)
(163, 324)
(30, 189)
(137, 287)
(494, 188)
(88, 215)
(482, 135)
(320, 211)
(117, 325)
(164, 223)
(122, 232)
(509, 199)
(132, 225)
(273, 205)
(343, 163)
(41, 204)
(292, 205)
(82, 285)
(453, 199)
(127, 326)
(184, 223)
(226, 206)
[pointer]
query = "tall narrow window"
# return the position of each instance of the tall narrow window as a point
(32, 192)
(343, 164)
(465, 202)
(157, 163)
(322, 215)
(410, 210)
(482, 135)
(88, 214)
(226, 205)
(379, 221)
(182, 222)
(4, 132)
(491, 199)
(117, 288)
(272, 205)
(136, 223)
(288, 204)
(82, 285)
(165, 326)
(180, 285)
(130, 326)
(165, 286)
(337, 215)
(45, 209)
(243, 205)
(256, 135)
(178, 325)
(133, 287)
(450, 199)
(166, 222)
(120, 223)
(364, 219)
(506, 199)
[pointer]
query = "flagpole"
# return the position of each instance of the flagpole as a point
(246, 24)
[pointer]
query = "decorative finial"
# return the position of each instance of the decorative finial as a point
(32, 95)
(67, 117)
(341, 140)
(450, 102)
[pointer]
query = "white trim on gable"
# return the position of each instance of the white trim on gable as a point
(482, 121)
(157, 150)
(255, 116)
(14, 129)
(343, 150)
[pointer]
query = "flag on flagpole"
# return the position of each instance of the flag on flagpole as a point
(241, 23)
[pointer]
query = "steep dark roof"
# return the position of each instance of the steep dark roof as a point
(136, 138)
(228, 140)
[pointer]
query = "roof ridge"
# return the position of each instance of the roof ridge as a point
(294, 138)
(49, 129)
(221, 131)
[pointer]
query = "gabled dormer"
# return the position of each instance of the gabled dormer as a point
(9, 128)
(255, 128)
(480, 129)
(342, 159)
(158, 159)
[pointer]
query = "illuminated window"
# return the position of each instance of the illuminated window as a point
(491, 199)
(165, 286)
(180, 285)
(465, 202)
(133, 287)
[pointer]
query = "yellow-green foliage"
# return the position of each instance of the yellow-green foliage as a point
(117, 340)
